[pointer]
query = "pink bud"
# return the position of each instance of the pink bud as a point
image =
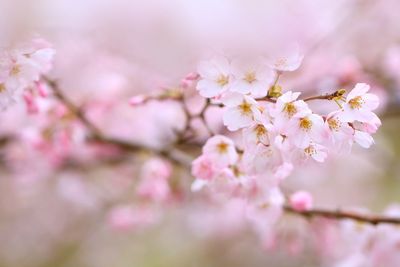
(301, 201)
(30, 102)
(41, 89)
(137, 100)
(189, 79)
(192, 76)
(28, 97)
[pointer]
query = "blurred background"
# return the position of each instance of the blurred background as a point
(73, 212)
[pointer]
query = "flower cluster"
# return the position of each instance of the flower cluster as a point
(278, 133)
(279, 129)
(20, 70)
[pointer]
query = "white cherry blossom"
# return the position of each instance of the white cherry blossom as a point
(241, 111)
(215, 77)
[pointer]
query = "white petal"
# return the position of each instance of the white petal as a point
(234, 119)
(364, 139)
(209, 88)
(359, 90)
(371, 101)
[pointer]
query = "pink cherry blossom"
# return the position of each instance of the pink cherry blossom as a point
(21, 67)
(340, 132)
(267, 159)
(317, 152)
(359, 105)
(216, 77)
(252, 78)
(305, 129)
(203, 168)
(288, 59)
(286, 107)
(241, 111)
(221, 150)
(256, 134)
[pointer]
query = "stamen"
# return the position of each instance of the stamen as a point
(16, 69)
(260, 131)
(334, 124)
(222, 80)
(250, 77)
(305, 124)
(310, 150)
(245, 108)
(356, 103)
(222, 148)
(290, 109)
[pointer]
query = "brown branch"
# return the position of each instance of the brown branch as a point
(96, 135)
(337, 95)
(339, 214)
(184, 160)
(266, 98)
(319, 97)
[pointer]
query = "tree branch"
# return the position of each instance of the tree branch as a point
(338, 214)
(96, 135)
(185, 160)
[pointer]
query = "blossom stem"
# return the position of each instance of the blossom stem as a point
(319, 97)
(339, 214)
(266, 98)
(96, 134)
(337, 95)
(184, 160)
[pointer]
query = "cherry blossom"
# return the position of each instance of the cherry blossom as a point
(340, 132)
(288, 59)
(285, 108)
(216, 77)
(203, 168)
(21, 67)
(221, 150)
(263, 133)
(305, 129)
(252, 78)
(241, 111)
(359, 105)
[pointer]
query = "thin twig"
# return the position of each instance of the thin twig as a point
(338, 214)
(184, 160)
(96, 135)
(266, 98)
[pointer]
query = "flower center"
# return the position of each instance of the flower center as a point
(250, 77)
(245, 108)
(222, 80)
(305, 124)
(16, 69)
(356, 103)
(334, 124)
(310, 150)
(290, 109)
(2, 87)
(260, 130)
(222, 148)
